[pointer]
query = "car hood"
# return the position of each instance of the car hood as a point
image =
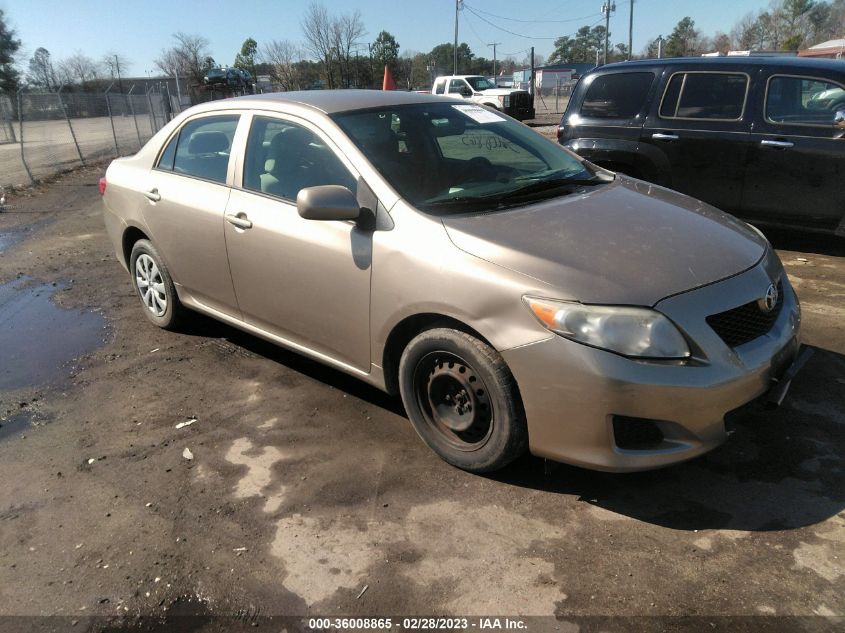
(498, 92)
(627, 242)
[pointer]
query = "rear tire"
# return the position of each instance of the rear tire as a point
(154, 287)
(462, 400)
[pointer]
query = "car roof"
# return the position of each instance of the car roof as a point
(780, 61)
(328, 101)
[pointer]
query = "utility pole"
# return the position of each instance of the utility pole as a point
(117, 65)
(457, 8)
(659, 47)
(494, 45)
(631, 30)
(607, 8)
(531, 85)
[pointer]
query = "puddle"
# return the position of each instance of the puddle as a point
(10, 237)
(38, 337)
(15, 425)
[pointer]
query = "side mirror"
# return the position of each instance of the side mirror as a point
(839, 120)
(327, 202)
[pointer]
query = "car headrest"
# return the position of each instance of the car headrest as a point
(291, 142)
(208, 142)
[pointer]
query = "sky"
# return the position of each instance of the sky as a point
(140, 29)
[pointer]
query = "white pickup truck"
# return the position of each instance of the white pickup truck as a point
(515, 103)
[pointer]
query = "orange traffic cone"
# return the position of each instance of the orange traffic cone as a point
(388, 83)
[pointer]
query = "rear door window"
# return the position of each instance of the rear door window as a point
(792, 100)
(616, 95)
(440, 87)
(705, 96)
(204, 147)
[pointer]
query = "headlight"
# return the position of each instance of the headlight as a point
(637, 332)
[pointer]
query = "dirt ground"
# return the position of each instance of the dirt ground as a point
(308, 492)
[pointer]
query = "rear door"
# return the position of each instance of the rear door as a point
(186, 196)
(796, 160)
(701, 126)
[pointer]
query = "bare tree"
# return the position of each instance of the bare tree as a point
(282, 57)
(78, 68)
(319, 38)
(346, 30)
(115, 64)
(187, 58)
(41, 72)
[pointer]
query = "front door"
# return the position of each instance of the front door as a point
(796, 162)
(700, 125)
(305, 281)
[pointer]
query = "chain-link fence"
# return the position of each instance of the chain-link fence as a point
(42, 134)
(7, 130)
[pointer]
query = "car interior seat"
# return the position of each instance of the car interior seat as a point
(207, 156)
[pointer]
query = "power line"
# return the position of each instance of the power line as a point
(527, 37)
(472, 28)
(503, 17)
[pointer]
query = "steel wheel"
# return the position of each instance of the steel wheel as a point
(462, 400)
(150, 284)
(454, 400)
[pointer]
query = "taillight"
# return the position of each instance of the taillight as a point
(102, 185)
(559, 132)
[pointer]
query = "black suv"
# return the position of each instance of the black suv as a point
(761, 137)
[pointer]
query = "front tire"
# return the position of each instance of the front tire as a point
(462, 400)
(154, 287)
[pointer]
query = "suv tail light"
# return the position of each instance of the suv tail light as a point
(102, 185)
(559, 132)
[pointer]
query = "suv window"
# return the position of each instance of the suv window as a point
(282, 158)
(803, 100)
(617, 95)
(440, 87)
(705, 95)
(202, 148)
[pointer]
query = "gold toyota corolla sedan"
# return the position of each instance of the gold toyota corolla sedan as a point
(516, 296)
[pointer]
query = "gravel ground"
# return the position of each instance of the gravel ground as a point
(308, 493)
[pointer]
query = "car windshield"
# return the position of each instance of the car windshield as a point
(479, 83)
(444, 157)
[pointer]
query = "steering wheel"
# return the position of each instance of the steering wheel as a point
(481, 169)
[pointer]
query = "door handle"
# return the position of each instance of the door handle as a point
(239, 220)
(660, 136)
(776, 144)
(153, 195)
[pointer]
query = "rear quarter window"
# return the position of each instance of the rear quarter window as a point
(616, 95)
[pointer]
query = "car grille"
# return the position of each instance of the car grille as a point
(745, 323)
(520, 100)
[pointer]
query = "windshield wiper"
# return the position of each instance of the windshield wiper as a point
(497, 199)
(550, 184)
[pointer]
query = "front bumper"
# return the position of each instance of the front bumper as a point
(572, 392)
(520, 113)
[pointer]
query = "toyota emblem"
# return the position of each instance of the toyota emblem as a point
(768, 302)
